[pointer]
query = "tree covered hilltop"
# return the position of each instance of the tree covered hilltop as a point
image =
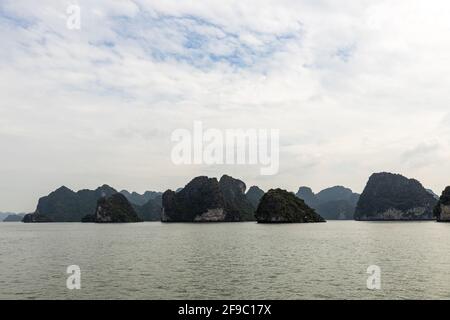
(281, 206)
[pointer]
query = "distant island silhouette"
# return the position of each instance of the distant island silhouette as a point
(386, 197)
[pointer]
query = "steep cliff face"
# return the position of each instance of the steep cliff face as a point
(208, 200)
(307, 195)
(390, 196)
(442, 209)
(200, 200)
(237, 205)
(113, 209)
(65, 205)
(254, 195)
(280, 206)
(335, 203)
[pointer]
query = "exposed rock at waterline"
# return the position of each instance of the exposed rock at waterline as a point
(113, 209)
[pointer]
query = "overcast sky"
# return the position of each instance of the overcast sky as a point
(355, 87)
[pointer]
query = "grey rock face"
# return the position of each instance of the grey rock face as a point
(35, 218)
(191, 203)
(390, 196)
(442, 209)
(335, 203)
(65, 205)
(281, 206)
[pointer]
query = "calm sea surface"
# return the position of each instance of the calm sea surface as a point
(225, 261)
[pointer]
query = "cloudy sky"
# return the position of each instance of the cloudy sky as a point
(355, 87)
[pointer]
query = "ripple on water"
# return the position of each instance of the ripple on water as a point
(225, 261)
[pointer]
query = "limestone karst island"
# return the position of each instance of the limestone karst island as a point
(386, 197)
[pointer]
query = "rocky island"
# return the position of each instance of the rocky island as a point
(65, 205)
(280, 206)
(208, 200)
(442, 209)
(386, 196)
(113, 209)
(390, 196)
(335, 203)
(254, 195)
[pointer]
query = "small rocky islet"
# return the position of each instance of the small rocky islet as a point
(281, 206)
(208, 200)
(14, 217)
(386, 196)
(113, 209)
(65, 205)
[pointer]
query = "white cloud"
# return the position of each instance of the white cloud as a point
(353, 86)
